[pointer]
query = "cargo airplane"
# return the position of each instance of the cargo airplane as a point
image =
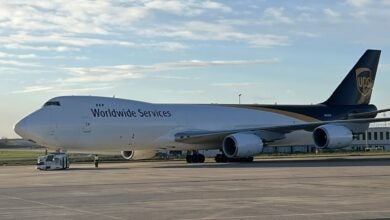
(138, 129)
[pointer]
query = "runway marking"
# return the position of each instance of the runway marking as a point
(288, 215)
(63, 207)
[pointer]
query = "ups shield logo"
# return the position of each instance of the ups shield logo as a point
(364, 81)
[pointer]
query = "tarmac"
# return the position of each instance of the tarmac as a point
(325, 188)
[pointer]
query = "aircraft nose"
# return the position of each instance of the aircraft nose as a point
(34, 127)
(21, 128)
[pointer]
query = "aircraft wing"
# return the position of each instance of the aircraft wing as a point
(272, 132)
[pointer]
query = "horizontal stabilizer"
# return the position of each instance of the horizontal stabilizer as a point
(367, 114)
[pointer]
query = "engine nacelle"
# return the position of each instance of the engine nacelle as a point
(332, 136)
(242, 145)
(138, 154)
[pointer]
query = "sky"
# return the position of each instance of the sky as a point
(172, 51)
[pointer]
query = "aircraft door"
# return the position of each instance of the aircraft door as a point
(86, 125)
(131, 138)
(52, 126)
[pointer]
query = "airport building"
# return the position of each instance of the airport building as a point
(375, 138)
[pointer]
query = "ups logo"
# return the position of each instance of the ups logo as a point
(364, 81)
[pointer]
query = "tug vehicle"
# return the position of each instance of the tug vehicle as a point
(54, 161)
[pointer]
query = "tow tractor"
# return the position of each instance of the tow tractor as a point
(54, 161)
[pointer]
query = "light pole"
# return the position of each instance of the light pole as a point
(239, 98)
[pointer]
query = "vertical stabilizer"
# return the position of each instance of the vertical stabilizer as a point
(356, 88)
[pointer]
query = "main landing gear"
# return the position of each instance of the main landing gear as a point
(222, 158)
(195, 157)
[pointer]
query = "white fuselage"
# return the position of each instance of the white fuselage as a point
(87, 123)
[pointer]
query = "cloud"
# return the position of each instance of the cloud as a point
(235, 84)
(77, 90)
(190, 91)
(331, 13)
(216, 6)
(186, 8)
(101, 75)
(86, 17)
(5, 70)
(36, 57)
(171, 46)
(165, 46)
(25, 46)
(276, 15)
(18, 63)
(306, 34)
(82, 17)
(201, 63)
(37, 88)
(19, 56)
(359, 3)
(186, 92)
(23, 42)
(170, 77)
(81, 58)
(60, 89)
(120, 72)
(22, 38)
(208, 31)
(71, 26)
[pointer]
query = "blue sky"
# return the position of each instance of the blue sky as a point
(292, 52)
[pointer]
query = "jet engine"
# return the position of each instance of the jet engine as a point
(242, 145)
(332, 136)
(138, 154)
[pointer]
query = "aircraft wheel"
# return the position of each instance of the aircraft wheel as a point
(198, 158)
(189, 159)
(218, 158)
(201, 158)
(249, 159)
(221, 158)
(195, 158)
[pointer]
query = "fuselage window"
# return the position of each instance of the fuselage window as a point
(51, 103)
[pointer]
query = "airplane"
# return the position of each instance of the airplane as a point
(137, 129)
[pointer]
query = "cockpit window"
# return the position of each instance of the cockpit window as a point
(55, 103)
